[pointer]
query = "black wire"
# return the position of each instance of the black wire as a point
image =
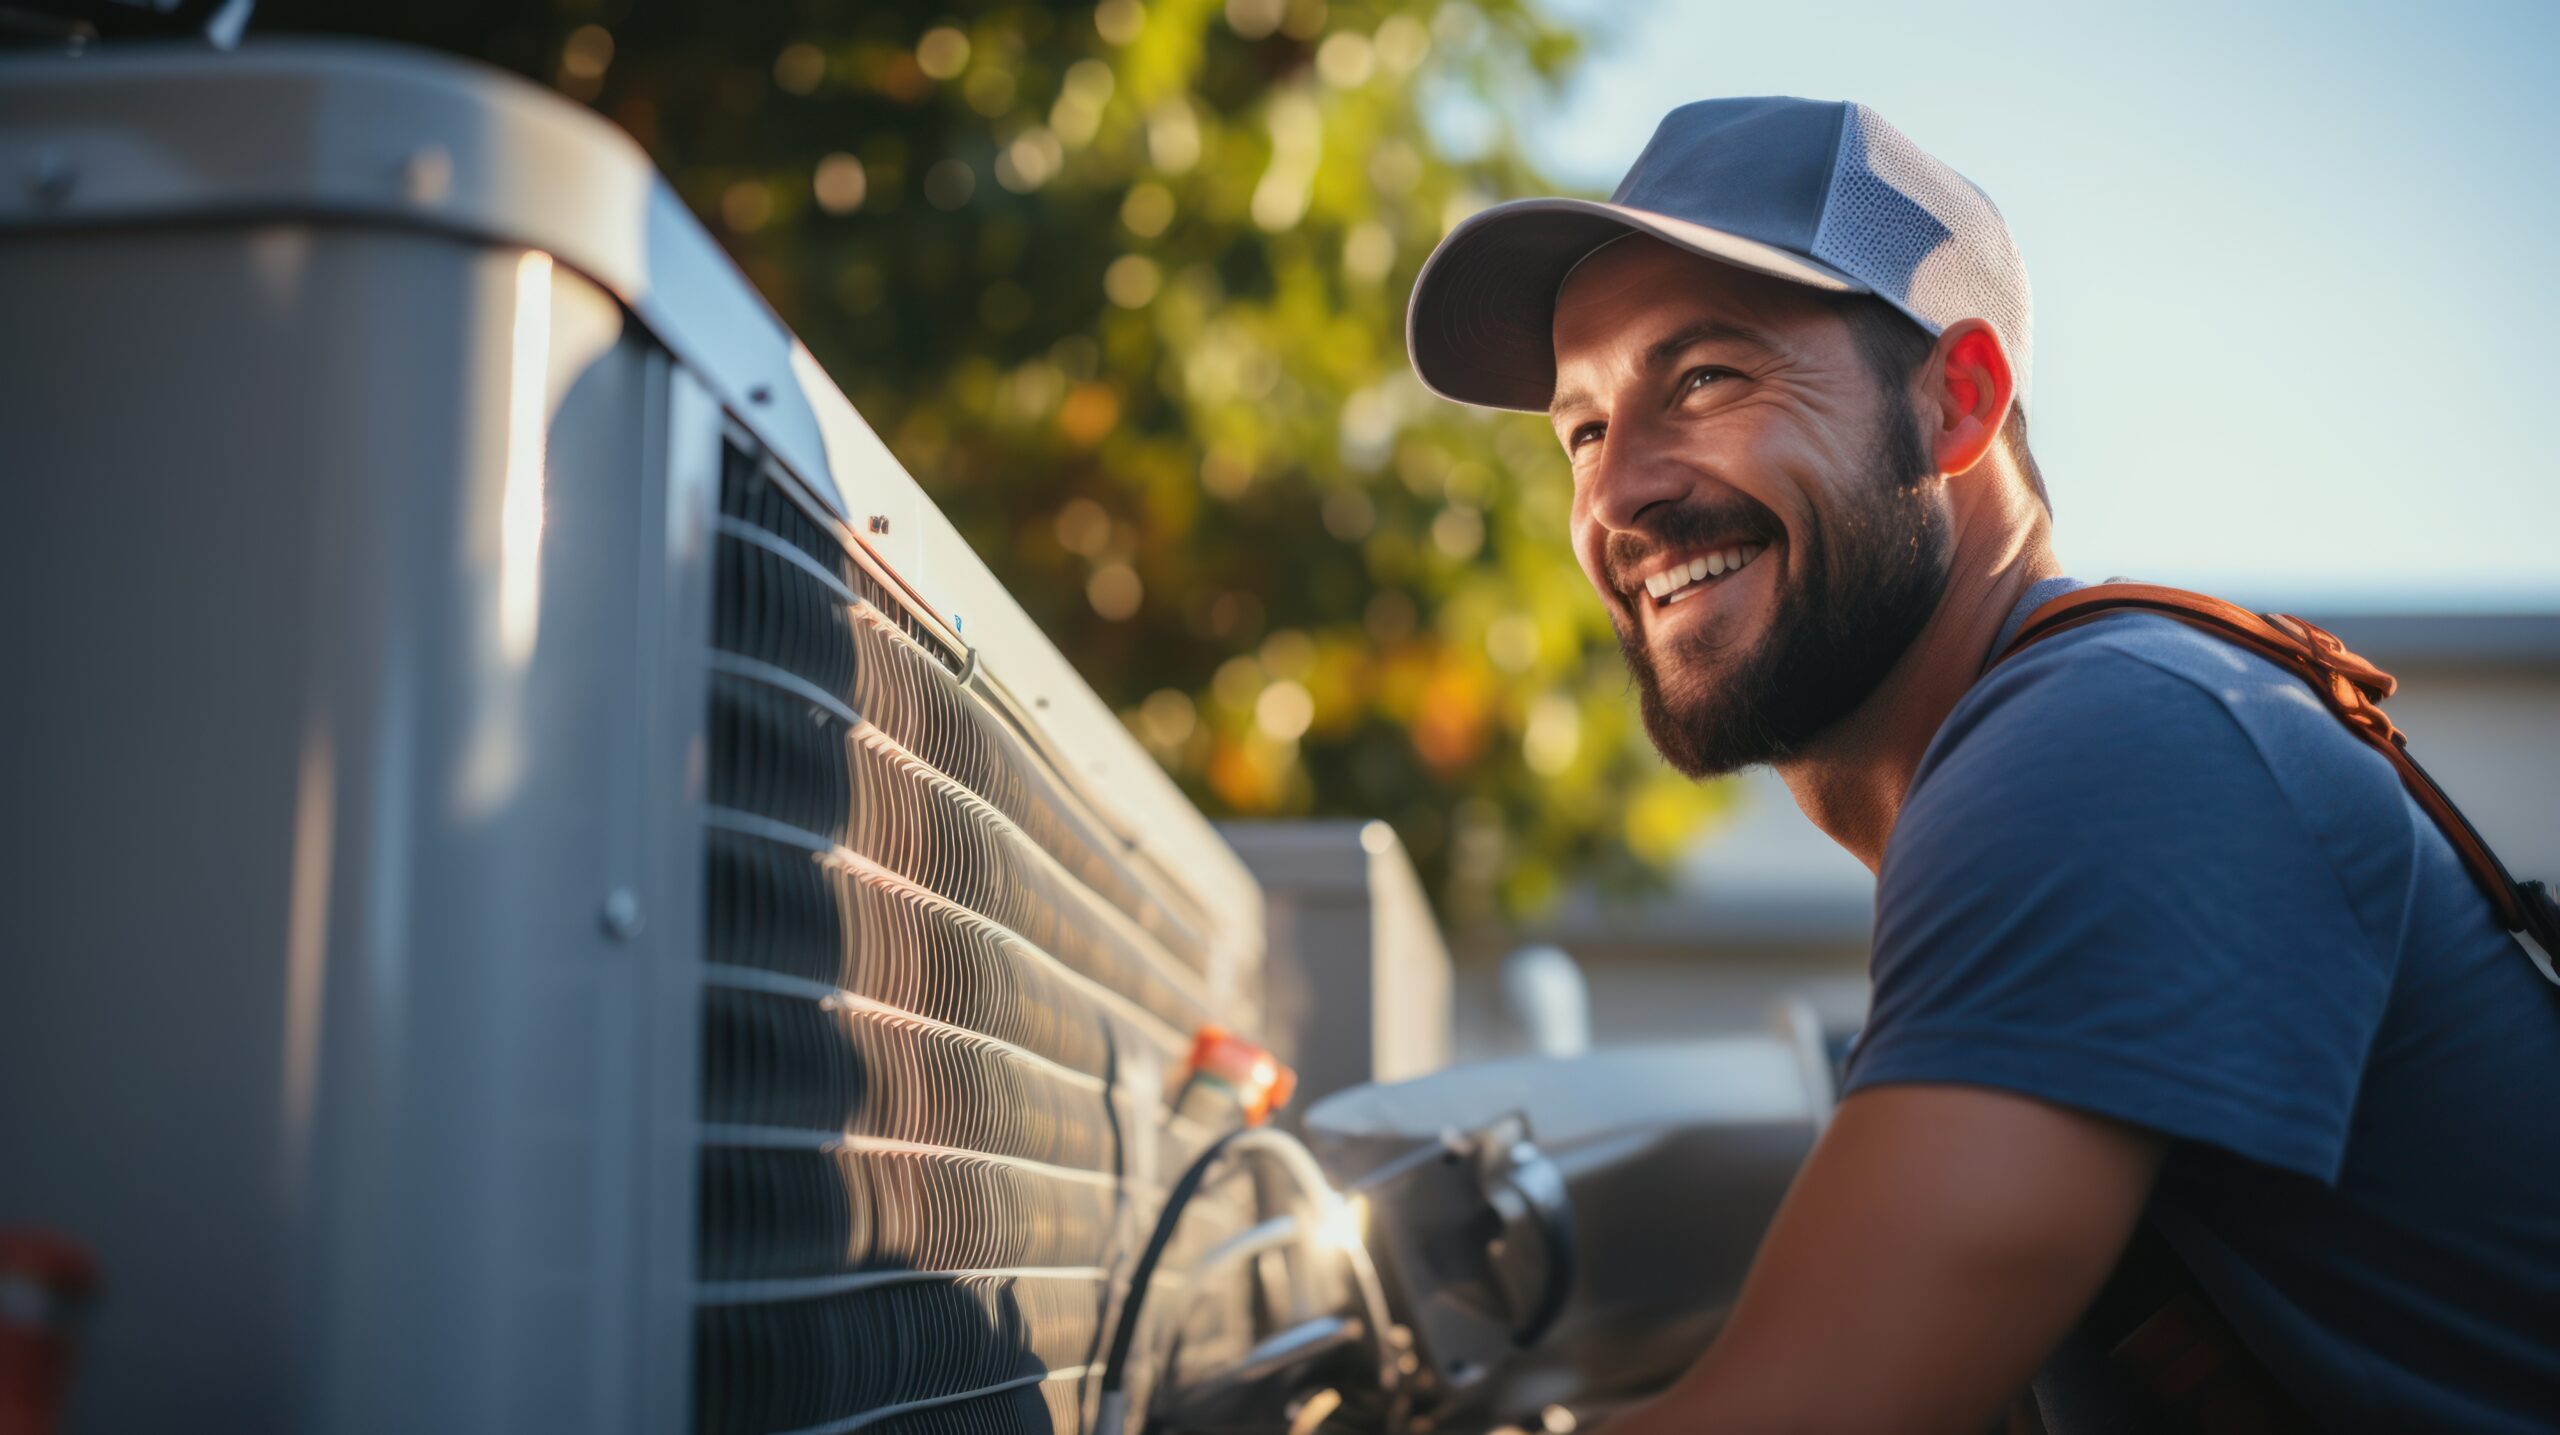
(1115, 1366)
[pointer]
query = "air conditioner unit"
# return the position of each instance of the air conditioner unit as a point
(546, 887)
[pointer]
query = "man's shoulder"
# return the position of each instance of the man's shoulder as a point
(2137, 728)
(2130, 688)
(2124, 645)
(2109, 869)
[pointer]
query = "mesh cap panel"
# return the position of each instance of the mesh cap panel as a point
(1924, 238)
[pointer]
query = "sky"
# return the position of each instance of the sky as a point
(2296, 268)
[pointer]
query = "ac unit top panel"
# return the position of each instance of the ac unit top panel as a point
(298, 131)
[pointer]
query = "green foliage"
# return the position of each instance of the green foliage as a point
(1124, 287)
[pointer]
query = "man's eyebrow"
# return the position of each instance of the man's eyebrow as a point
(1702, 332)
(1664, 351)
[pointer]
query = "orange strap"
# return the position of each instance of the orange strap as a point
(2348, 684)
(2190, 1360)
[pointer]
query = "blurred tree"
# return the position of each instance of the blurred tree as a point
(1124, 285)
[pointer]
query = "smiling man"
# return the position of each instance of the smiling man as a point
(2159, 944)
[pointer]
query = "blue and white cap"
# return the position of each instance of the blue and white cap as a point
(1821, 193)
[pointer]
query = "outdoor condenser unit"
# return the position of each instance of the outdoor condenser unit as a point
(545, 887)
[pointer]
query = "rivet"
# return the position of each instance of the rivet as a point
(622, 914)
(760, 394)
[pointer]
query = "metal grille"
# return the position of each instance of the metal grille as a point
(942, 1002)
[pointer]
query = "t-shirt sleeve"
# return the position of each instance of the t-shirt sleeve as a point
(2099, 895)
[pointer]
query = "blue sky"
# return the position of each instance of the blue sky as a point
(2296, 268)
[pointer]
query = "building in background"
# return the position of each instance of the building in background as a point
(1356, 986)
(1766, 906)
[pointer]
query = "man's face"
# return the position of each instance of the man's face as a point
(1713, 415)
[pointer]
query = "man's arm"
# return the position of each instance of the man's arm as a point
(1941, 1240)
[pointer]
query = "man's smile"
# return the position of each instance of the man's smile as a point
(1693, 579)
(1683, 575)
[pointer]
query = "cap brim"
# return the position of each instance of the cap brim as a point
(1480, 328)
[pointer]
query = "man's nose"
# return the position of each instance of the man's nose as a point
(1634, 473)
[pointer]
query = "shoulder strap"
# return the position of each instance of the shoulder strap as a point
(2352, 688)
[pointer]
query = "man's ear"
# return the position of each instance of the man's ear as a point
(1970, 391)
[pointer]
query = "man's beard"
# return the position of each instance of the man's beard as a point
(1860, 596)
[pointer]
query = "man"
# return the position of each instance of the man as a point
(2156, 937)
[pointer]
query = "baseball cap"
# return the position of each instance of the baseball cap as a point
(1819, 193)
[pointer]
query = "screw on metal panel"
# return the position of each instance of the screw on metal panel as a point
(622, 914)
(760, 394)
(426, 175)
(50, 177)
(879, 523)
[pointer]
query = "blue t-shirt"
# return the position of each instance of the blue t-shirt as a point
(2143, 873)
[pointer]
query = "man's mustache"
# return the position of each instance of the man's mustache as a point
(1691, 524)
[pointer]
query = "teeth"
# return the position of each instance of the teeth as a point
(1713, 565)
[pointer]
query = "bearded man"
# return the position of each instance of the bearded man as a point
(2159, 943)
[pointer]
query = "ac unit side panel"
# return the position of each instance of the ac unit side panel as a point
(328, 773)
(154, 708)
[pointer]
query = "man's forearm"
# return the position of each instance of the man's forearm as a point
(1939, 1242)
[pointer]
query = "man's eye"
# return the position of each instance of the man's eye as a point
(1587, 433)
(1699, 378)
